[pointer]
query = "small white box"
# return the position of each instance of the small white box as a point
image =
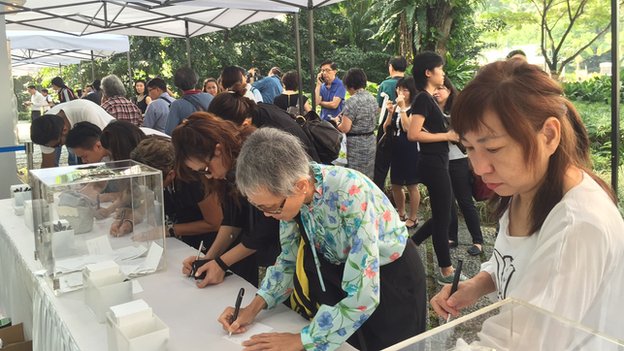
(151, 335)
(20, 193)
(108, 289)
(18, 210)
(62, 239)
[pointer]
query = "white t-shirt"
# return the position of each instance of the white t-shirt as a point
(80, 110)
(38, 101)
(573, 266)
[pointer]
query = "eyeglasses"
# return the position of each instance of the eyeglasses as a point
(326, 70)
(204, 172)
(270, 211)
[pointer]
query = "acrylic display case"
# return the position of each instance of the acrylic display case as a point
(98, 212)
(512, 325)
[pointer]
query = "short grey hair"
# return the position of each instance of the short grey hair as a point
(112, 86)
(271, 160)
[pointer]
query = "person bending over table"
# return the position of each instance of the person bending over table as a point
(206, 149)
(561, 238)
(365, 281)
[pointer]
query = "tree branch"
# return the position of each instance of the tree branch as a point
(579, 12)
(572, 57)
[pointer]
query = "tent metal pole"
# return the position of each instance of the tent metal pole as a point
(188, 44)
(92, 67)
(298, 58)
(130, 78)
(615, 95)
(60, 70)
(311, 53)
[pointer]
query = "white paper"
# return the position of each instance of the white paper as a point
(129, 252)
(78, 263)
(129, 269)
(99, 246)
(255, 328)
(136, 287)
(70, 282)
(152, 260)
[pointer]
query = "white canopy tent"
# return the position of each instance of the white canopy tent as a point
(32, 50)
(172, 18)
(162, 18)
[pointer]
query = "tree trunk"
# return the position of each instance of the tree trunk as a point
(405, 38)
(439, 18)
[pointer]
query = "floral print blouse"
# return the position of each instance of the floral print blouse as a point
(349, 221)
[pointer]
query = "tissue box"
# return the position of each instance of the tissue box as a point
(138, 331)
(13, 339)
(104, 286)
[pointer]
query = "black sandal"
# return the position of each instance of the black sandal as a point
(414, 223)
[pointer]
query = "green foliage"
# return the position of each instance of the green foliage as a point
(350, 56)
(597, 120)
(596, 89)
(460, 71)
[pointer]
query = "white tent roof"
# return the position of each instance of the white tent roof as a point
(32, 50)
(163, 18)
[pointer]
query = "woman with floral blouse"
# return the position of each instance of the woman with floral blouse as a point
(345, 255)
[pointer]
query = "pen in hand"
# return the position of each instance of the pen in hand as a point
(460, 263)
(239, 300)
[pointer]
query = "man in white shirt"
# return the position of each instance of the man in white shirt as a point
(37, 102)
(50, 131)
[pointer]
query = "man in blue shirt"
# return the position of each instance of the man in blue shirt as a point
(270, 86)
(192, 100)
(329, 92)
(157, 112)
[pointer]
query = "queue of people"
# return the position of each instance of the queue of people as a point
(246, 179)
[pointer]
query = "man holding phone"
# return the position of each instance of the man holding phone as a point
(329, 92)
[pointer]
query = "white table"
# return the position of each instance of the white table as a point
(66, 323)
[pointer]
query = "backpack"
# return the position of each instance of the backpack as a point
(325, 137)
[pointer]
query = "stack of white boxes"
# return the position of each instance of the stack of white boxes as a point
(134, 327)
(105, 286)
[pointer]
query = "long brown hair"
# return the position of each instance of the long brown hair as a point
(197, 138)
(523, 96)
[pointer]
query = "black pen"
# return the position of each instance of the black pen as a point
(460, 263)
(239, 300)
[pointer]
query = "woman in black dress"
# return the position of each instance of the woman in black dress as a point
(404, 157)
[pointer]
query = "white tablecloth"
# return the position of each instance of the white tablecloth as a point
(65, 323)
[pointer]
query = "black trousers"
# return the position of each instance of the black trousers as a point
(434, 174)
(402, 308)
(34, 114)
(383, 157)
(460, 174)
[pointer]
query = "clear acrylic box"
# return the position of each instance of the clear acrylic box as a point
(98, 212)
(512, 325)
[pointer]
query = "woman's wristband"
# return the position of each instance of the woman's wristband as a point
(222, 264)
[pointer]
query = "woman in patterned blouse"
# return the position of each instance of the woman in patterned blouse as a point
(342, 231)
